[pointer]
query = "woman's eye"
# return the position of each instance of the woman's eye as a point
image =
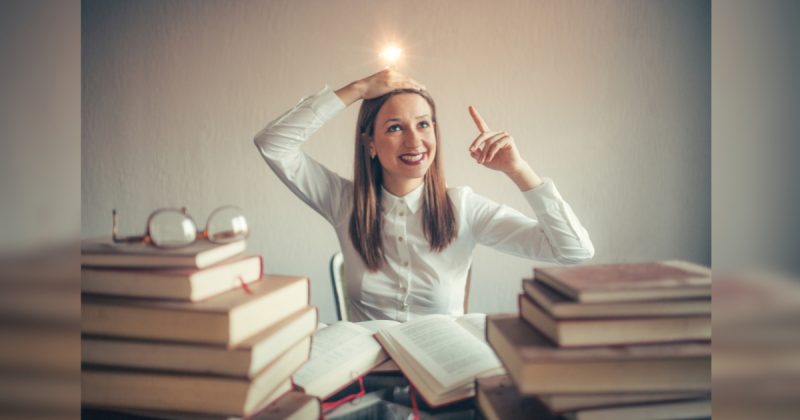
(424, 124)
(394, 128)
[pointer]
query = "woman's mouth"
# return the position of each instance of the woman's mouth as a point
(412, 159)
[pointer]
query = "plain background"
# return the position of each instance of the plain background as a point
(611, 99)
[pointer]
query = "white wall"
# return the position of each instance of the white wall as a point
(609, 98)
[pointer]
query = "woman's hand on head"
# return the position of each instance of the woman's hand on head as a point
(497, 150)
(376, 85)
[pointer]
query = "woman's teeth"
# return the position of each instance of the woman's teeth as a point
(412, 158)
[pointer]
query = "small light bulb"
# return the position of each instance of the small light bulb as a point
(391, 54)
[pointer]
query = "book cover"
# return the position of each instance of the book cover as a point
(560, 306)
(629, 281)
(614, 331)
(139, 389)
(103, 252)
(228, 319)
(537, 366)
(246, 360)
(190, 284)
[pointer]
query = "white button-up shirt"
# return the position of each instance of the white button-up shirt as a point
(415, 281)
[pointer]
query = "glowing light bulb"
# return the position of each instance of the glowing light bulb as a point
(391, 54)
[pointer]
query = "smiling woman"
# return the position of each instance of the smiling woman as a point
(406, 238)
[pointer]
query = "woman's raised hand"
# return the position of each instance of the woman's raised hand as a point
(494, 149)
(376, 85)
(497, 150)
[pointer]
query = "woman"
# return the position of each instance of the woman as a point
(406, 239)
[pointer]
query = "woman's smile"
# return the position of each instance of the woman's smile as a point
(413, 159)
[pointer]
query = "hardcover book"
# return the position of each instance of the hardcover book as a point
(190, 284)
(103, 252)
(629, 281)
(537, 366)
(227, 319)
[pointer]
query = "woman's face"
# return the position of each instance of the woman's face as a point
(404, 141)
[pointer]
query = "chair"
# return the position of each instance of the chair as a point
(340, 298)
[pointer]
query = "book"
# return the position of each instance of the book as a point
(341, 352)
(563, 403)
(245, 360)
(190, 284)
(610, 331)
(103, 252)
(537, 366)
(561, 307)
(441, 356)
(664, 410)
(292, 405)
(498, 399)
(191, 393)
(228, 319)
(629, 281)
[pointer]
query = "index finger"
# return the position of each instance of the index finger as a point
(478, 120)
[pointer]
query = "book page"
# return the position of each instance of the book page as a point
(475, 324)
(377, 325)
(334, 346)
(449, 352)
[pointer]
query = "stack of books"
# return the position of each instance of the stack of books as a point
(193, 331)
(619, 341)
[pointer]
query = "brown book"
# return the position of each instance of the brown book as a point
(562, 403)
(539, 367)
(629, 281)
(611, 331)
(562, 307)
(190, 284)
(292, 405)
(245, 360)
(498, 399)
(696, 409)
(103, 252)
(228, 319)
(191, 393)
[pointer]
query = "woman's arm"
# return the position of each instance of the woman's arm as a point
(280, 141)
(279, 144)
(555, 235)
(376, 85)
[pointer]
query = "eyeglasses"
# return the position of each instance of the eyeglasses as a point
(174, 228)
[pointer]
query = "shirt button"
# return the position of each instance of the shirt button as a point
(405, 306)
(405, 263)
(402, 213)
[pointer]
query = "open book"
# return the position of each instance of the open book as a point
(340, 353)
(441, 356)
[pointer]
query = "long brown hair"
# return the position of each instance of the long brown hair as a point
(366, 221)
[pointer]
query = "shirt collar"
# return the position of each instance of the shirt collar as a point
(412, 200)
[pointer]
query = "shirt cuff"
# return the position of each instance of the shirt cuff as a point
(325, 103)
(543, 196)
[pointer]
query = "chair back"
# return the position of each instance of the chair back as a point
(339, 297)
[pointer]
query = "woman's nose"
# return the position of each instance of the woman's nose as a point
(413, 139)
